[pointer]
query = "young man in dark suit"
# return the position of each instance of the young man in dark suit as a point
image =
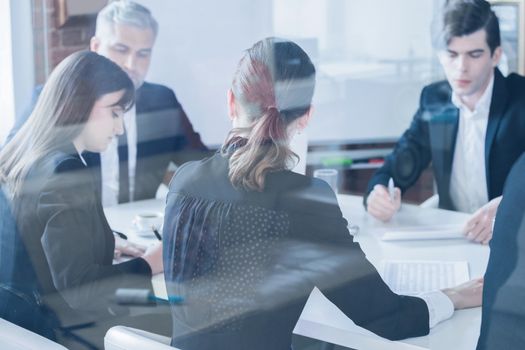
(470, 127)
(157, 128)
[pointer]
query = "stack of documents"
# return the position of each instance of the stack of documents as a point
(411, 277)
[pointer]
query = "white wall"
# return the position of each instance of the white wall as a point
(375, 57)
(200, 43)
(197, 50)
(389, 29)
(23, 57)
(6, 65)
(16, 61)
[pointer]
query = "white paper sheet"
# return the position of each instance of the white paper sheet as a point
(327, 323)
(423, 233)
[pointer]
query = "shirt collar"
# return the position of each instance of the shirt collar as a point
(484, 102)
(82, 159)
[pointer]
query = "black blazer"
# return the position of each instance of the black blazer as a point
(20, 292)
(164, 134)
(245, 262)
(503, 310)
(69, 242)
(431, 137)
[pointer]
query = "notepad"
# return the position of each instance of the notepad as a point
(424, 233)
(411, 277)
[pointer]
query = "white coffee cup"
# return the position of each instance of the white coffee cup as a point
(146, 221)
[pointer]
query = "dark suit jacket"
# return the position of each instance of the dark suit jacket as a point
(20, 292)
(431, 137)
(503, 316)
(69, 242)
(164, 134)
(246, 261)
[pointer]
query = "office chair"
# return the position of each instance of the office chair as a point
(17, 338)
(431, 202)
(127, 338)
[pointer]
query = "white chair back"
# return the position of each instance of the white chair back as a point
(431, 202)
(127, 338)
(14, 337)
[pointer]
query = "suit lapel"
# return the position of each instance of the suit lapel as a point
(142, 107)
(447, 130)
(497, 109)
(443, 133)
(142, 98)
(143, 102)
(123, 193)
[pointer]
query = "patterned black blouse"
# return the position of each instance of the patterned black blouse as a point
(245, 262)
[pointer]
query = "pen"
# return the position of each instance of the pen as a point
(120, 234)
(156, 232)
(391, 189)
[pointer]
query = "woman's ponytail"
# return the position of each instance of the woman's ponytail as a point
(274, 85)
(266, 150)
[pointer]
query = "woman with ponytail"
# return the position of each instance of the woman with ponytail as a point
(246, 240)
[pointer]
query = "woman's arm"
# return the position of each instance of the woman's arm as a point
(78, 244)
(346, 277)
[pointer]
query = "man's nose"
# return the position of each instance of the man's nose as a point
(130, 62)
(462, 63)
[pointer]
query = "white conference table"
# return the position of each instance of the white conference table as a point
(322, 320)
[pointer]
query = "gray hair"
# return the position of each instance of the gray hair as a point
(126, 12)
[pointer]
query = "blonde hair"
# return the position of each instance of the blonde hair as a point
(274, 83)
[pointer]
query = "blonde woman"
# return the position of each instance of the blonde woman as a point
(246, 240)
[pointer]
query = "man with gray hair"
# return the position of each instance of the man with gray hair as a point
(157, 129)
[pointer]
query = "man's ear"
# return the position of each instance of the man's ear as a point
(496, 56)
(232, 108)
(94, 44)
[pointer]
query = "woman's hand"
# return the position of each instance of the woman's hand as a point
(466, 295)
(153, 257)
(480, 225)
(124, 247)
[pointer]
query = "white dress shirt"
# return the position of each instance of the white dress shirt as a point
(468, 181)
(109, 162)
(82, 159)
(440, 307)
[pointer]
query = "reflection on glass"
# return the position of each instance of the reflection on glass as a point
(365, 52)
